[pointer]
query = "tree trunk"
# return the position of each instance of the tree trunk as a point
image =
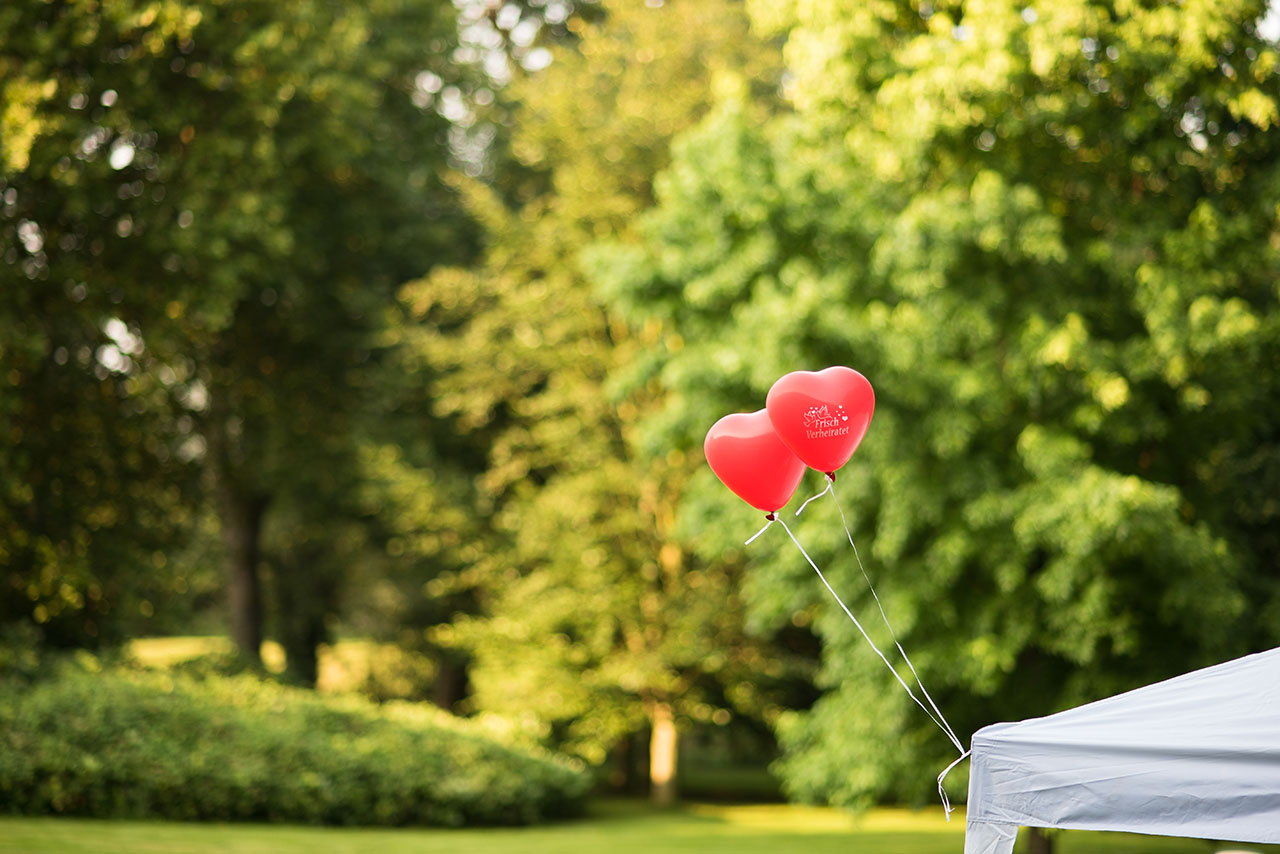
(450, 686)
(1039, 841)
(663, 747)
(303, 595)
(622, 773)
(241, 531)
(241, 509)
(302, 630)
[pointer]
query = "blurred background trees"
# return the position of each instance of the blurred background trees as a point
(1048, 235)
(208, 210)
(594, 621)
(405, 322)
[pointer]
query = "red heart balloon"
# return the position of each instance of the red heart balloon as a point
(750, 459)
(821, 415)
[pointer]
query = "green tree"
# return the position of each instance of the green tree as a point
(242, 186)
(597, 622)
(96, 476)
(423, 469)
(1047, 234)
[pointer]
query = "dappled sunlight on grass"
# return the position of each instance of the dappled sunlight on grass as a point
(343, 667)
(166, 652)
(802, 819)
(928, 820)
(777, 817)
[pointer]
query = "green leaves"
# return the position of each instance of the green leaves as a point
(593, 612)
(242, 187)
(116, 744)
(1042, 234)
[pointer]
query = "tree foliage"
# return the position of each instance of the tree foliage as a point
(1047, 234)
(207, 210)
(114, 743)
(596, 619)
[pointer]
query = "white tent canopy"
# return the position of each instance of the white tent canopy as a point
(1197, 755)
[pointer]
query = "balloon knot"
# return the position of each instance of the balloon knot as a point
(831, 476)
(770, 517)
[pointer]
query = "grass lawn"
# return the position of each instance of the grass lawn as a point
(613, 827)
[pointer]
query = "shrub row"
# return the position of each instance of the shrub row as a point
(134, 744)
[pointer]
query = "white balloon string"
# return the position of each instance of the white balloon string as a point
(771, 519)
(849, 614)
(830, 480)
(946, 802)
(831, 487)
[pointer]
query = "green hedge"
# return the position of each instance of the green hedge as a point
(128, 744)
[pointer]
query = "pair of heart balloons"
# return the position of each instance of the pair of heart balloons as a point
(811, 418)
